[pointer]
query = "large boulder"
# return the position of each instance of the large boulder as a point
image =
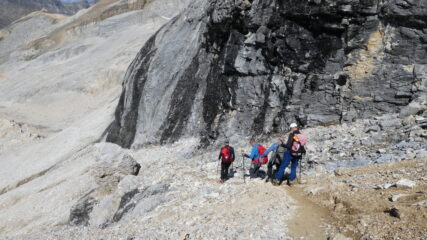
(114, 206)
(116, 184)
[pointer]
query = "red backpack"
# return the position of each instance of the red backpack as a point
(261, 150)
(226, 156)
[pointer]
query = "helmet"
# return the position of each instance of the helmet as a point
(293, 125)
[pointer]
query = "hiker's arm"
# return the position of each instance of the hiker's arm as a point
(271, 148)
(219, 157)
(253, 153)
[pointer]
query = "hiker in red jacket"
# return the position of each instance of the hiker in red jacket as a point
(227, 157)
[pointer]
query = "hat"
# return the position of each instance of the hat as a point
(293, 125)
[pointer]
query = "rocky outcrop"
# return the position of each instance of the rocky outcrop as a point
(115, 186)
(226, 69)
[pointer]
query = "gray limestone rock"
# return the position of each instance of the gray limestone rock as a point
(405, 183)
(114, 206)
(422, 153)
(129, 166)
(412, 109)
(79, 213)
(243, 69)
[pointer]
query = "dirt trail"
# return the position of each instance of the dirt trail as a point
(308, 221)
(311, 221)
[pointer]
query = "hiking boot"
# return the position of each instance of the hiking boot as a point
(275, 182)
(289, 182)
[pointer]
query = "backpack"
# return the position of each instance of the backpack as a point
(278, 155)
(226, 156)
(261, 150)
(298, 145)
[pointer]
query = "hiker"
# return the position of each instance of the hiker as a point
(255, 156)
(226, 155)
(276, 158)
(295, 148)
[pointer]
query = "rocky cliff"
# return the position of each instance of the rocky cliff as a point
(225, 69)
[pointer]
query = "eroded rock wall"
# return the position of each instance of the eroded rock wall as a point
(226, 69)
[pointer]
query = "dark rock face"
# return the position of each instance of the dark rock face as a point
(226, 69)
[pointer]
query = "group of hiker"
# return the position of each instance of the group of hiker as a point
(283, 154)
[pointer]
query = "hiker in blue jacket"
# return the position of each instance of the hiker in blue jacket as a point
(254, 156)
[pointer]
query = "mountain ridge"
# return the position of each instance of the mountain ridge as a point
(12, 10)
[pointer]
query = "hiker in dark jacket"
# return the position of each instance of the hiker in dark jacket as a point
(276, 158)
(288, 158)
(226, 155)
(255, 157)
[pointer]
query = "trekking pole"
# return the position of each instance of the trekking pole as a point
(300, 167)
(217, 167)
(243, 167)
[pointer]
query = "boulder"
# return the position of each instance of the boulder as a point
(421, 153)
(394, 212)
(420, 203)
(390, 123)
(412, 109)
(339, 172)
(384, 158)
(114, 206)
(396, 197)
(405, 183)
(79, 213)
(104, 211)
(128, 166)
(409, 120)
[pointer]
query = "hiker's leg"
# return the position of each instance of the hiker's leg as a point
(227, 169)
(294, 166)
(251, 171)
(285, 162)
(254, 170)
(224, 170)
(270, 169)
(257, 167)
